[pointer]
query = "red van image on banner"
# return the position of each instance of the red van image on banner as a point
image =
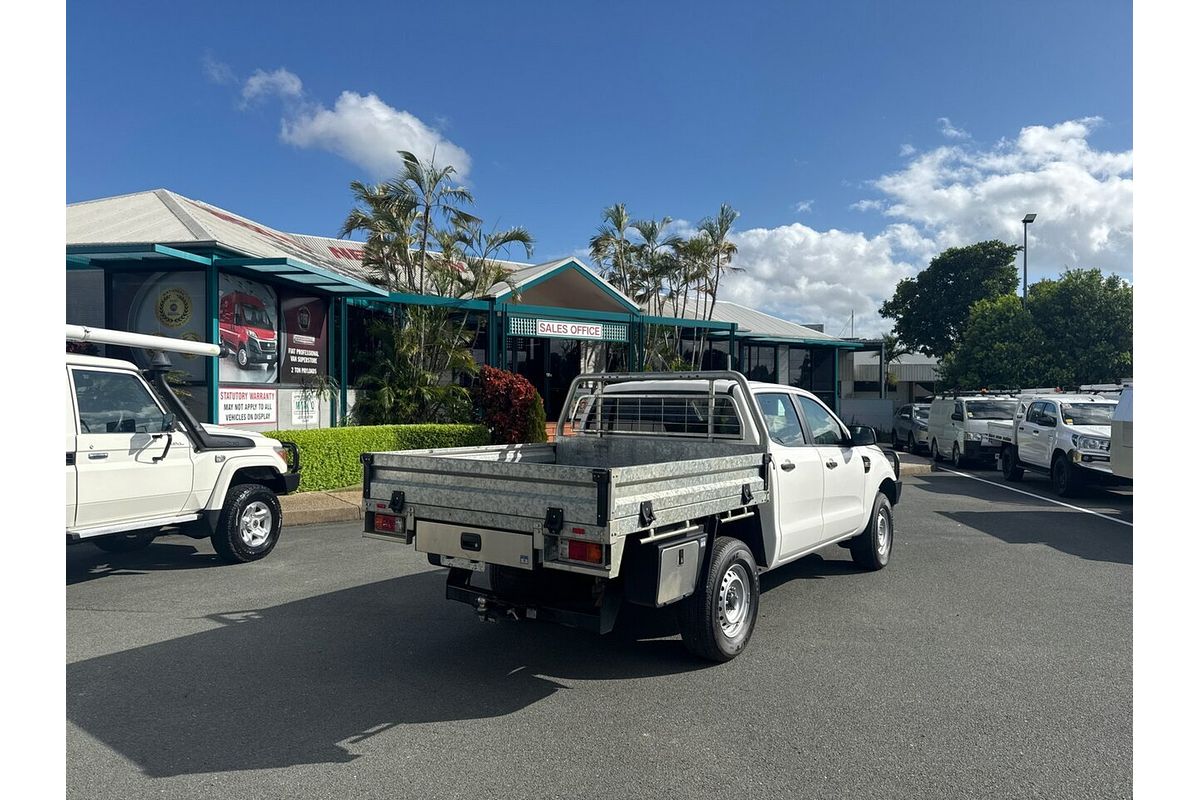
(247, 320)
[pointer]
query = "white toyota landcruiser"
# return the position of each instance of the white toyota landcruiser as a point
(139, 464)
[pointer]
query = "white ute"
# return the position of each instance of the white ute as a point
(659, 489)
(139, 464)
(1067, 436)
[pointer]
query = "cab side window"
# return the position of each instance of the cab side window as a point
(115, 402)
(1033, 413)
(783, 425)
(825, 429)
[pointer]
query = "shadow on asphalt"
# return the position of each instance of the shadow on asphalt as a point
(1069, 532)
(86, 562)
(1114, 497)
(303, 682)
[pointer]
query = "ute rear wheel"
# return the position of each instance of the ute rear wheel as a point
(717, 620)
(872, 549)
(1010, 466)
(249, 525)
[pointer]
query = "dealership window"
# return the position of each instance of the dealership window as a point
(811, 368)
(758, 362)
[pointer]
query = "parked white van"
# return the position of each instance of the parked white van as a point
(958, 426)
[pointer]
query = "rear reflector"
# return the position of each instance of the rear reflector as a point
(385, 522)
(585, 551)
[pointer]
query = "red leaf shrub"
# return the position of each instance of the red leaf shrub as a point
(511, 407)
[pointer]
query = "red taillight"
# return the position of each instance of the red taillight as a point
(385, 522)
(585, 551)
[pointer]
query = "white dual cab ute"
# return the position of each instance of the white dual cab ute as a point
(1067, 436)
(659, 489)
(139, 465)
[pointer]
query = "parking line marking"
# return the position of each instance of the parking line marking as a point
(1038, 496)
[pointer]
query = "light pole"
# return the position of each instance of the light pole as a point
(1025, 250)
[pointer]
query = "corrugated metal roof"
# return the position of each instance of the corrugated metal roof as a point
(753, 322)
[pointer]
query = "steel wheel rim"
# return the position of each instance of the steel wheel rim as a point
(733, 601)
(883, 533)
(254, 525)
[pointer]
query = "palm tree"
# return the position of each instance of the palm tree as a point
(612, 245)
(718, 229)
(388, 221)
(427, 188)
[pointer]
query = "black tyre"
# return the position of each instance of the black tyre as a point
(955, 456)
(1009, 465)
(872, 549)
(1063, 476)
(912, 443)
(897, 444)
(933, 451)
(249, 525)
(124, 542)
(717, 620)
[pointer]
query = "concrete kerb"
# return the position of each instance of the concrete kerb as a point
(345, 505)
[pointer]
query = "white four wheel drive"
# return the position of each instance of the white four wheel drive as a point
(1065, 435)
(139, 464)
(659, 489)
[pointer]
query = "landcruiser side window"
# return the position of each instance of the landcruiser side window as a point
(115, 402)
(825, 429)
(783, 425)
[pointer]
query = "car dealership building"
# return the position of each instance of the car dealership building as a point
(289, 312)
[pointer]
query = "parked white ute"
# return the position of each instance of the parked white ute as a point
(1065, 435)
(139, 464)
(659, 489)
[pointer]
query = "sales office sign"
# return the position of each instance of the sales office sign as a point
(570, 330)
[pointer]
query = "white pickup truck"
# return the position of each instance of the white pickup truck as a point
(139, 464)
(659, 489)
(1065, 435)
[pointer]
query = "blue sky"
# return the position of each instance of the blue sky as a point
(856, 139)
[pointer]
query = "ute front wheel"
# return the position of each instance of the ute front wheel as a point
(717, 620)
(872, 549)
(249, 525)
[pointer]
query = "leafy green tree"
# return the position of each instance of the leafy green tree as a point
(931, 310)
(1087, 321)
(1077, 329)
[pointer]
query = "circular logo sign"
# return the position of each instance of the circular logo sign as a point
(304, 318)
(174, 308)
(191, 337)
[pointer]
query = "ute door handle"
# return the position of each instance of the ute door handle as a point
(97, 456)
(787, 466)
(1037, 433)
(831, 464)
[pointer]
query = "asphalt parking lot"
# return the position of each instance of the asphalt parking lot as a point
(991, 658)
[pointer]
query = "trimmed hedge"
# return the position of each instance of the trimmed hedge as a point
(329, 457)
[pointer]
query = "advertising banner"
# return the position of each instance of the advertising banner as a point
(247, 317)
(238, 406)
(162, 304)
(305, 408)
(304, 335)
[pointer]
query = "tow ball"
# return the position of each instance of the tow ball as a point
(485, 613)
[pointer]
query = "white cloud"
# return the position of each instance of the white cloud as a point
(217, 71)
(949, 131)
(949, 196)
(907, 150)
(367, 131)
(277, 83)
(802, 206)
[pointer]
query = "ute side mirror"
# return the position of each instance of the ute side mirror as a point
(956, 416)
(862, 435)
(168, 422)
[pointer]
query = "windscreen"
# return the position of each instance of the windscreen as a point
(991, 409)
(1088, 413)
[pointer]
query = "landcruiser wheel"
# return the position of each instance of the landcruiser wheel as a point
(955, 456)
(1008, 464)
(249, 525)
(872, 549)
(717, 620)
(1063, 476)
(124, 542)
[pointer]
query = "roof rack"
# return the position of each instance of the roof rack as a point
(978, 393)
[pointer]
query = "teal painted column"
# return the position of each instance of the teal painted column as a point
(837, 381)
(343, 361)
(212, 296)
(493, 347)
